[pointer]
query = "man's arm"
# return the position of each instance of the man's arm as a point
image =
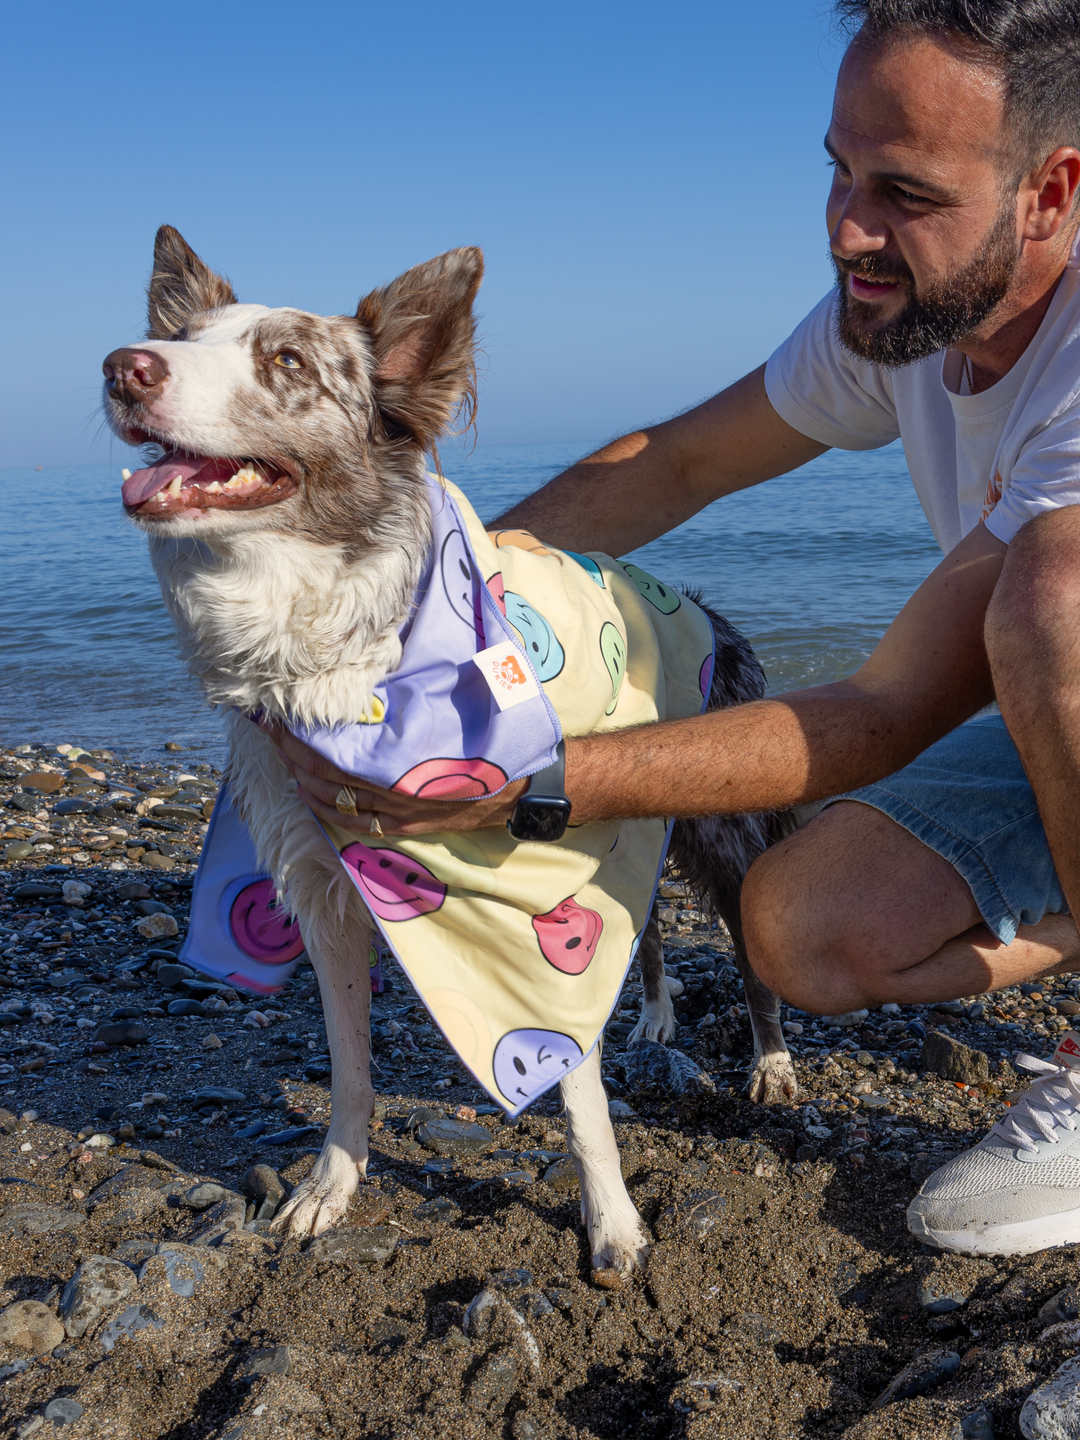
(645, 484)
(929, 672)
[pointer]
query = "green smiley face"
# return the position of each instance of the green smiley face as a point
(663, 597)
(613, 649)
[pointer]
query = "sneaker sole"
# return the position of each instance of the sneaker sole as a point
(1048, 1232)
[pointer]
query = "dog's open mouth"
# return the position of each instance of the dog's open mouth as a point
(179, 483)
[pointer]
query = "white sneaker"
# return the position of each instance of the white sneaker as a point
(1018, 1190)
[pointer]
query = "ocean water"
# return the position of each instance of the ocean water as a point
(812, 567)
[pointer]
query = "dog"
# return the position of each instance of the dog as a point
(288, 523)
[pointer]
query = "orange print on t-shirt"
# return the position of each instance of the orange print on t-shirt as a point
(992, 496)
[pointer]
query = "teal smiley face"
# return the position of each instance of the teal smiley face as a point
(540, 641)
(613, 649)
(662, 597)
(589, 566)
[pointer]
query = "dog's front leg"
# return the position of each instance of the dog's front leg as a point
(657, 1020)
(337, 941)
(617, 1237)
(772, 1079)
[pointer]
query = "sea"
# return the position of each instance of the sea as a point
(812, 567)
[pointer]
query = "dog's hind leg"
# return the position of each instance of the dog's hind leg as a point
(657, 1013)
(337, 931)
(617, 1237)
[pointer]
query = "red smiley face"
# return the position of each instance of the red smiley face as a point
(452, 779)
(568, 936)
(262, 928)
(395, 886)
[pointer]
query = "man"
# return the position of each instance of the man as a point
(955, 324)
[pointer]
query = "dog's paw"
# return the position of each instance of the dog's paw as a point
(657, 1023)
(618, 1257)
(319, 1202)
(772, 1080)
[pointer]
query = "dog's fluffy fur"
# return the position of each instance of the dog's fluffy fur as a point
(288, 590)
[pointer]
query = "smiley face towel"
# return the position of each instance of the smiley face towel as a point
(518, 949)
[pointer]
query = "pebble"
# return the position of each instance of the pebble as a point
(561, 1176)
(848, 1020)
(1065, 1305)
(924, 1373)
(696, 1215)
(494, 1381)
(264, 1188)
(186, 1007)
(219, 1096)
(454, 1137)
(356, 1247)
(63, 1411)
(39, 1220)
(274, 1360)
(157, 927)
(442, 1208)
(127, 1033)
(662, 1072)
(97, 1285)
(952, 1060)
(170, 974)
(1052, 1410)
(951, 1283)
(209, 1192)
(211, 1042)
(30, 1325)
(218, 1220)
(128, 1322)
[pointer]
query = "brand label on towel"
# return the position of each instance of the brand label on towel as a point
(508, 676)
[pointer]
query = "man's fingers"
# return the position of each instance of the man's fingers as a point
(300, 757)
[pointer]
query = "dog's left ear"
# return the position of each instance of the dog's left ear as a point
(421, 330)
(181, 286)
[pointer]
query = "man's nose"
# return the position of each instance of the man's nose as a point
(854, 229)
(132, 374)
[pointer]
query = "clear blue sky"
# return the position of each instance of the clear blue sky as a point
(647, 182)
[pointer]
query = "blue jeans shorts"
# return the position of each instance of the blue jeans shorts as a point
(968, 799)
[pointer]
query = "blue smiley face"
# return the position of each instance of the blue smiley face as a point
(589, 566)
(540, 641)
(528, 1062)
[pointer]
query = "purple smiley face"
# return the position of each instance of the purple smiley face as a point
(262, 928)
(528, 1062)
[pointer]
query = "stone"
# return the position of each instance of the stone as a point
(228, 1214)
(495, 1380)
(133, 890)
(205, 1194)
(39, 1220)
(171, 975)
(263, 1186)
(122, 1033)
(186, 1007)
(47, 781)
(620, 1110)
(74, 806)
(455, 1137)
(442, 1208)
(292, 1136)
(62, 979)
(1065, 1305)
(132, 1177)
(1052, 1410)
(157, 927)
(63, 1410)
(211, 1042)
(30, 1325)
(134, 1253)
(97, 1285)
(183, 1271)
(561, 1176)
(664, 1073)
(977, 1424)
(848, 1020)
(924, 1373)
(151, 907)
(128, 1323)
(951, 1282)
(36, 890)
(944, 1056)
(372, 1246)
(273, 1360)
(18, 850)
(694, 1215)
(219, 1096)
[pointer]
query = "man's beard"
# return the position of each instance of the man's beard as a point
(944, 314)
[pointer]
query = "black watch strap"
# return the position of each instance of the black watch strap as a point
(542, 812)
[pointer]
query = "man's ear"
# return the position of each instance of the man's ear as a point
(181, 286)
(421, 330)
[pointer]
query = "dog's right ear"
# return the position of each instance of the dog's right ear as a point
(181, 286)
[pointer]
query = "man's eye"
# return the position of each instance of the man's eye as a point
(288, 361)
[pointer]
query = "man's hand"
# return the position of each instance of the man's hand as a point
(318, 783)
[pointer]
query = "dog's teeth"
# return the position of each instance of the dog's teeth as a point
(125, 474)
(175, 486)
(214, 488)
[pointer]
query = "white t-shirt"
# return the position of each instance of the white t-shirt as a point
(1002, 456)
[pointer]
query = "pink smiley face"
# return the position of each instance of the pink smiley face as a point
(568, 936)
(452, 779)
(262, 928)
(395, 886)
(705, 676)
(498, 590)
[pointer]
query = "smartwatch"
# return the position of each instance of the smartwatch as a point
(543, 811)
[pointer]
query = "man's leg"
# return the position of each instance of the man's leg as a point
(854, 911)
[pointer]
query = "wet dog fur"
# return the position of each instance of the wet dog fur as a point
(288, 583)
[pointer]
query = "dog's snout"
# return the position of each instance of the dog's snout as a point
(133, 374)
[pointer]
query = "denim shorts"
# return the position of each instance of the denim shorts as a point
(967, 797)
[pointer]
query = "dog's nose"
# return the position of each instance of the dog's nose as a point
(132, 374)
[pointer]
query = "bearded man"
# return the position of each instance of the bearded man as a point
(955, 326)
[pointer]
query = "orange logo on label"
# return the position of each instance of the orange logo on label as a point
(510, 672)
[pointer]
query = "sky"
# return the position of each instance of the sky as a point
(647, 182)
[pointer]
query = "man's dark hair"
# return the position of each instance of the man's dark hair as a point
(1035, 44)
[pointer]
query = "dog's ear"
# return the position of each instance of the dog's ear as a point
(421, 331)
(181, 286)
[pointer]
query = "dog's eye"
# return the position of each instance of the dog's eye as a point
(288, 361)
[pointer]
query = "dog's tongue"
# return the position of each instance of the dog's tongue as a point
(141, 484)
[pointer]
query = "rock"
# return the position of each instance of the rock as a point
(170, 974)
(122, 1033)
(158, 1162)
(186, 1007)
(62, 979)
(211, 1042)
(951, 1282)
(263, 1186)
(133, 890)
(293, 1136)
(664, 1073)
(274, 1360)
(128, 1322)
(1065, 1305)
(134, 1253)
(74, 806)
(132, 1177)
(220, 1096)
(47, 781)
(182, 1270)
(421, 1115)
(561, 1176)
(977, 1425)
(63, 1410)
(442, 1208)
(373, 1246)
(97, 1285)
(923, 1373)
(228, 1214)
(157, 927)
(455, 1137)
(848, 1020)
(1052, 1410)
(29, 1325)
(694, 1215)
(494, 1381)
(18, 850)
(152, 907)
(39, 1220)
(209, 1192)
(946, 1057)
(620, 1110)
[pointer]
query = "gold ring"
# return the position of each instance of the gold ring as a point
(345, 801)
(375, 828)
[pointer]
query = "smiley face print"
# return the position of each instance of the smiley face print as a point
(661, 597)
(394, 886)
(461, 582)
(262, 928)
(540, 641)
(528, 1062)
(568, 936)
(452, 779)
(705, 676)
(589, 566)
(613, 649)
